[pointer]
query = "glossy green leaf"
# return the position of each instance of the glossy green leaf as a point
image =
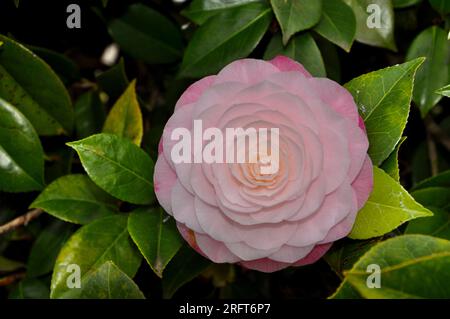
(338, 23)
(295, 16)
(200, 11)
(21, 154)
(109, 282)
(345, 253)
(345, 291)
(185, 266)
(389, 206)
(117, 166)
(440, 180)
(75, 199)
(90, 114)
(8, 265)
(30, 289)
(156, 236)
(46, 248)
(405, 3)
(331, 59)
(125, 117)
(374, 22)
(236, 33)
(431, 43)
(66, 69)
(437, 225)
(444, 91)
(402, 260)
(16, 3)
(301, 48)
(42, 98)
(383, 98)
(90, 247)
(390, 165)
(433, 196)
(147, 35)
(114, 81)
(441, 6)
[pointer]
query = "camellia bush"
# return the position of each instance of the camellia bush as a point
(99, 200)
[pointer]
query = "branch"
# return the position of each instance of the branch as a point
(437, 132)
(20, 221)
(8, 280)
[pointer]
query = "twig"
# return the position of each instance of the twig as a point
(20, 221)
(8, 280)
(437, 132)
(432, 153)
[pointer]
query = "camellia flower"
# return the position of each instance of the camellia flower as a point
(230, 212)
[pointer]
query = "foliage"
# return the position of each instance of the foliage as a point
(79, 138)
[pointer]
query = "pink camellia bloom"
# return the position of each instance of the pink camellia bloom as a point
(229, 212)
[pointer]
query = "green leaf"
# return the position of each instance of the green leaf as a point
(16, 3)
(30, 289)
(117, 166)
(301, 48)
(405, 3)
(90, 114)
(344, 254)
(431, 43)
(178, 273)
(42, 98)
(383, 98)
(75, 199)
(21, 154)
(236, 33)
(371, 30)
(66, 69)
(109, 282)
(295, 16)
(90, 247)
(433, 196)
(345, 291)
(8, 265)
(444, 91)
(389, 206)
(200, 11)
(156, 236)
(125, 117)
(46, 248)
(331, 59)
(338, 23)
(147, 35)
(403, 260)
(114, 81)
(441, 6)
(390, 165)
(440, 180)
(437, 225)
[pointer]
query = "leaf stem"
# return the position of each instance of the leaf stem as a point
(20, 221)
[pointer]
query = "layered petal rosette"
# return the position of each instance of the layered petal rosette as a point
(231, 212)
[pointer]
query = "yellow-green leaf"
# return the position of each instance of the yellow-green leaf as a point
(125, 118)
(389, 206)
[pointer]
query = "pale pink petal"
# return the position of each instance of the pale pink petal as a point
(314, 255)
(363, 183)
(335, 95)
(183, 209)
(194, 91)
(284, 64)
(164, 179)
(291, 254)
(215, 250)
(248, 71)
(334, 209)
